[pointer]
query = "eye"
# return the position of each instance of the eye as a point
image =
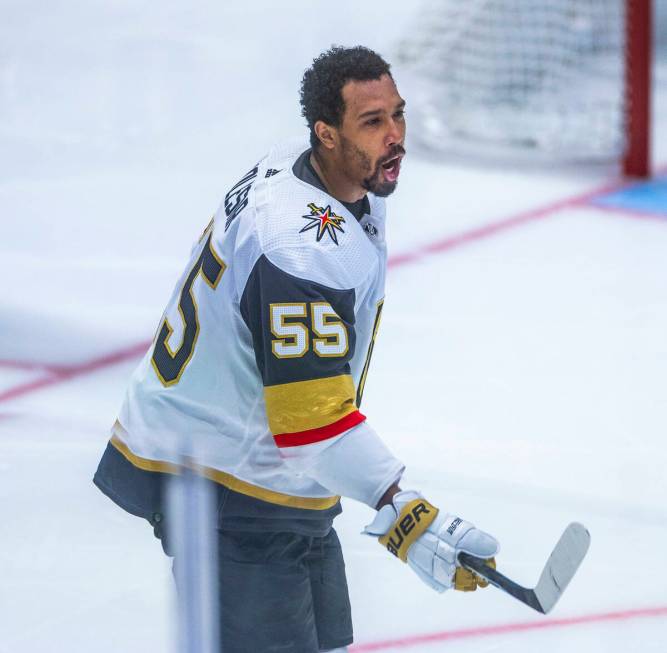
(373, 121)
(400, 114)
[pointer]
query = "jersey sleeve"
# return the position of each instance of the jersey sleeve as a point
(303, 335)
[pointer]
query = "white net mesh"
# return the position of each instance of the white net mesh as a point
(534, 75)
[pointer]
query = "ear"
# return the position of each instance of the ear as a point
(327, 134)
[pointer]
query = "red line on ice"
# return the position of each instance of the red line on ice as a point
(504, 629)
(59, 374)
(492, 228)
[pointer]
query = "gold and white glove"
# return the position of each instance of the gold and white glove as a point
(430, 541)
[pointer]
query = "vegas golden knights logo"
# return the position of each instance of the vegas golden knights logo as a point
(324, 221)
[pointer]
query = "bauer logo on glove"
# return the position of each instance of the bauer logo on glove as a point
(416, 516)
(430, 541)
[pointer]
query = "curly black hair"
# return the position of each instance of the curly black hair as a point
(321, 87)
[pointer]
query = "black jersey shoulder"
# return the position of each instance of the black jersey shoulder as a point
(270, 286)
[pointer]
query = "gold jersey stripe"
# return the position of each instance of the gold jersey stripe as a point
(229, 481)
(304, 405)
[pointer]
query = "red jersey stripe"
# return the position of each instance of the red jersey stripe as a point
(319, 434)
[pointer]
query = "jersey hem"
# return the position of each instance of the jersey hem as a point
(227, 480)
(127, 506)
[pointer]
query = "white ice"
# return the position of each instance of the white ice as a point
(521, 377)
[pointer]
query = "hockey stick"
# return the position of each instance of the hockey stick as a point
(557, 573)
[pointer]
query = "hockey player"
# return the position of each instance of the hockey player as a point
(261, 357)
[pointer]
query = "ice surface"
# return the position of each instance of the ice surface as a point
(521, 376)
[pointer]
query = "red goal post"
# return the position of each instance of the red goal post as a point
(560, 80)
(638, 48)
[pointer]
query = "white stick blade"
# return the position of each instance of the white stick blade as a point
(562, 565)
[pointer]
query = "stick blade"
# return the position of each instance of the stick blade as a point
(562, 565)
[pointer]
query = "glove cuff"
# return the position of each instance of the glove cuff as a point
(415, 517)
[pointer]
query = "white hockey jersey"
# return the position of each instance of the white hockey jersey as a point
(259, 363)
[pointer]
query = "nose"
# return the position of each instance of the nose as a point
(394, 134)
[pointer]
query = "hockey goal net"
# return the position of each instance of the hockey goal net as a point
(565, 79)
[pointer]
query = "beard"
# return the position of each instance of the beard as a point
(373, 180)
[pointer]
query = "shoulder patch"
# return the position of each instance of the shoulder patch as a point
(370, 229)
(324, 220)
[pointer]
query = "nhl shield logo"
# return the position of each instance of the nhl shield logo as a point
(325, 221)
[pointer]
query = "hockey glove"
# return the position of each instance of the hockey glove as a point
(430, 541)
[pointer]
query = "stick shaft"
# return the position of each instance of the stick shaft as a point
(500, 581)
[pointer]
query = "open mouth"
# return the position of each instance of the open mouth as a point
(391, 169)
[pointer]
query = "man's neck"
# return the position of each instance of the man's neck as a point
(336, 183)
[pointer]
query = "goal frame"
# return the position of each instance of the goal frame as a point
(638, 53)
